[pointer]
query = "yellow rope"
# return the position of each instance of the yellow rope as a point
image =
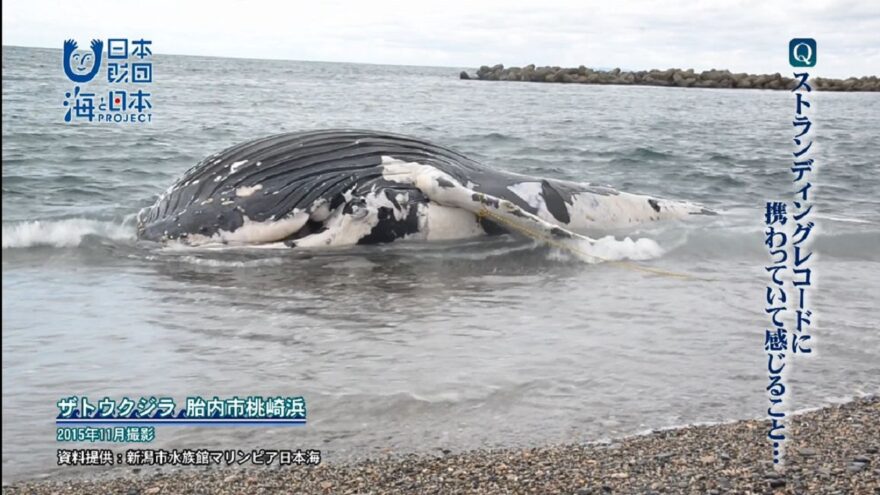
(553, 242)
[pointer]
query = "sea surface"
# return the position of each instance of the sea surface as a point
(496, 342)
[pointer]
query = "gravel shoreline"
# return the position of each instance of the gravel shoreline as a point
(830, 450)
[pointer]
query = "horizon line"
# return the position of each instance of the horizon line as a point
(270, 59)
(457, 67)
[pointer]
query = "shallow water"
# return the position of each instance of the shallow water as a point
(416, 347)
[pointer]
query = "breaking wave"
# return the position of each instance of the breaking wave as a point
(62, 233)
(609, 248)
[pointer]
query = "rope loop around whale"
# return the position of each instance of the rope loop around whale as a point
(485, 213)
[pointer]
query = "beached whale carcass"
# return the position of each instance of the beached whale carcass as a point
(344, 187)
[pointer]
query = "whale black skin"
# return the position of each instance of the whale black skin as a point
(303, 167)
(270, 178)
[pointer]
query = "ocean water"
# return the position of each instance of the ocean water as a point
(418, 347)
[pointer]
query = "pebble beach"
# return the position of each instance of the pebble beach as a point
(834, 450)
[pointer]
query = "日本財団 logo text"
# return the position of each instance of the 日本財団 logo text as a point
(116, 90)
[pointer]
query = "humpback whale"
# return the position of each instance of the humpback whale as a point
(344, 187)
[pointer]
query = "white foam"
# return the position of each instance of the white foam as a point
(608, 249)
(61, 233)
(843, 219)
(215, 263)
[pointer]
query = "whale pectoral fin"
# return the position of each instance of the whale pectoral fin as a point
(446, 190)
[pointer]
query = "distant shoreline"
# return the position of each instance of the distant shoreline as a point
(679, 78)
(830, 450)
(871, 83)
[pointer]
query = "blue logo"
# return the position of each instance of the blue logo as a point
(802, 52)
(82, 66)
(129, 73)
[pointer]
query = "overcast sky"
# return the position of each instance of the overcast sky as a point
(743, 36)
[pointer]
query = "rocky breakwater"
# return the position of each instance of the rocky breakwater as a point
(682, 78)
